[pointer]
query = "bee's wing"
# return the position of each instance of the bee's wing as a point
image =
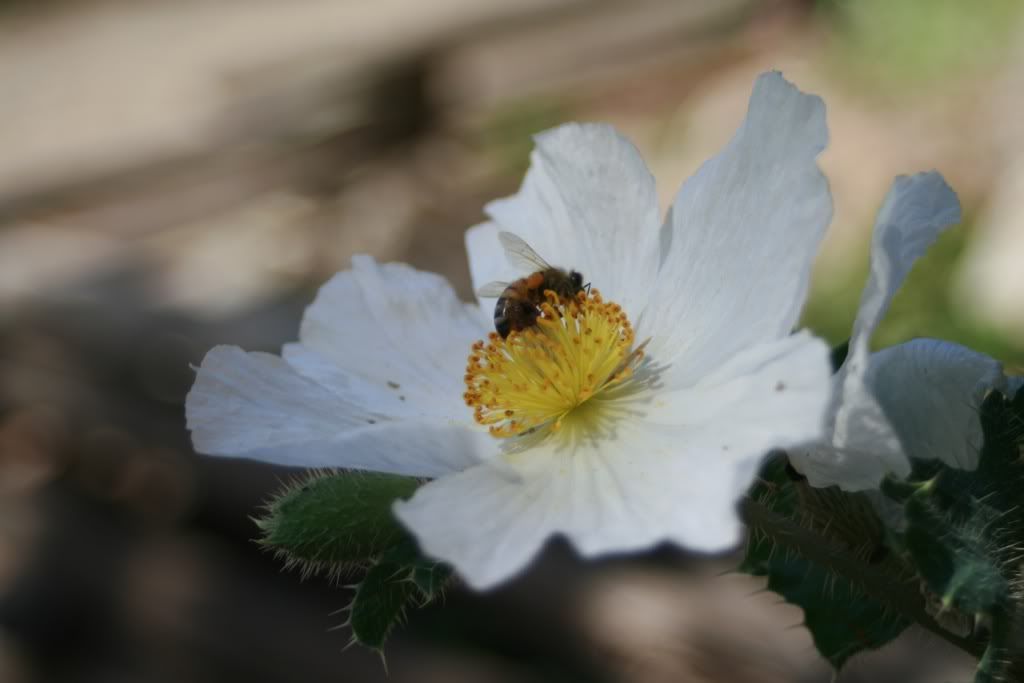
(520, 254)
(492, 290)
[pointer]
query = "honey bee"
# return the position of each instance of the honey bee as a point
(518, 304)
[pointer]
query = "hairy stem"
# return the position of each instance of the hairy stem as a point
(815, 548)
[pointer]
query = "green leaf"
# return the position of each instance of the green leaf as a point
(332, 521)
(431, 579)
(842, 618)
(379, 604)
(965, 529)
(401, 578)
(965, 535)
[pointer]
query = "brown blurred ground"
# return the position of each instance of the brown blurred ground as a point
(177, 175)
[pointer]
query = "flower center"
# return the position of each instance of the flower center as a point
(581, 347)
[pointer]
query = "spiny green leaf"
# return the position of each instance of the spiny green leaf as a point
(1003, 659)
(965, 535)
(331, 521)
(379, 604)
(431, 579)
(958, 563)
(401, 578)
(965, 529)
(842, 619)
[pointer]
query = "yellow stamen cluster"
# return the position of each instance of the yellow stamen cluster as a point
(535, 377)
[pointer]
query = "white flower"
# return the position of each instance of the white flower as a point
(635, 450)
(919, 399)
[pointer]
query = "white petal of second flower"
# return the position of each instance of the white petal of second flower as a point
(863, 445)
(932, 392)
(673, 475)
(919, 400)
(915, 212)
(858, 466)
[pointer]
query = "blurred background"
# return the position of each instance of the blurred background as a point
(175, 175)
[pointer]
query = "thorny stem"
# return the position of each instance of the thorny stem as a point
(820, 550)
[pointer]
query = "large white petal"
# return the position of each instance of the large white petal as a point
(772, 395)
(669, 470)
(396, 337)
(743, 233)
(588, 203)
(489, 522)
(255, 405)
(931, 392)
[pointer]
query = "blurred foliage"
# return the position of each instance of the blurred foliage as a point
(506, 136)
(900, 43)
(924, 306)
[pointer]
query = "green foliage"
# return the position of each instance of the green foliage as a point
(910, 44)
(333, 521)
(920, 309)
(399, 579)
(959, 547)
(842, 618)
(965, 533)
(506, 137)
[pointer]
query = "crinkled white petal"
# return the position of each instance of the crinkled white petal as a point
(861, 463)
(255, 405)
(863, 446)
(931, 392)
(670, 468)
(587, 203)
(742, 234)
(920, 400)
(915, 212)
(391, 335)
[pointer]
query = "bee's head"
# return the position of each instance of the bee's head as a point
(576, 279)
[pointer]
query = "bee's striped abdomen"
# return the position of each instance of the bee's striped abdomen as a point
(502, 324)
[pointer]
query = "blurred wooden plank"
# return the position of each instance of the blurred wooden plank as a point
(304, 120)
